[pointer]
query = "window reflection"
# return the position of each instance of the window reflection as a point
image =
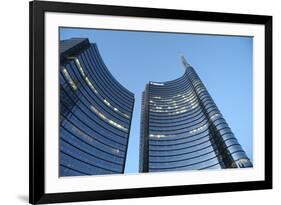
(89, 83)
(115, 124)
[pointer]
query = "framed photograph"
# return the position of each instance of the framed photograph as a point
(132, 102)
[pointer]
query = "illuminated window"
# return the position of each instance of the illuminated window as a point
(197, 129)
(115, 151)
(82, 134)
(80, 67)
(107, 103)
(180, 111)
(215, 115)
(90, 84)
(102, 116)
(93, 87)
(194, 104)
(154, 83)
(157, 136)
(69, 79)
(157, 97)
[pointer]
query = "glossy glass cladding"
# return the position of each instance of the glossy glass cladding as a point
(95, 113)
(183, 129)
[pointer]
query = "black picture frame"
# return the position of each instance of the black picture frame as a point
(37, 9)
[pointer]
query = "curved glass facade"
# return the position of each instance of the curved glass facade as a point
(182, 128)
(95, 113)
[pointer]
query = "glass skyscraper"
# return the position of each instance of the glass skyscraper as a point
(182, 128)
(95, 113)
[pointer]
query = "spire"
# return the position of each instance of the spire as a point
(184, 61)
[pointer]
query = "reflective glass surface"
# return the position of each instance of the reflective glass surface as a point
(182, 128)
(95, 113)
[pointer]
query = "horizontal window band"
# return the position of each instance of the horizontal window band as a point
(183, 136)
(167, 116)
(180, 149)
(93, 140)
(92, 101)
(166, 122)
(232, 148)
(91, 117)
(92, 155)
(201, 116)
(203, 121)
(179, 103)
(218, 145)
(94, 147)
(190, 113)
(89, 164)
(182, 159)
(168, 168)
(97, 92)
(212, 166)
(174, 107)
(101, 90)
(157, 143)
(208, 124)
(173, 123)
(85, 87)
(95, 131)
(182, 143)
(167, 94)
(78, 171)
(104, 88)
(179, 97)
(196, 122)
(172, 136)
(241, 154)
(81, 117)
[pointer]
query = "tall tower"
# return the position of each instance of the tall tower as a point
(182, 128)
(95, 113)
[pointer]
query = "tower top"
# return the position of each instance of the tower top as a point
(184, 61)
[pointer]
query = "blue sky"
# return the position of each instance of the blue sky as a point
(224, 64)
